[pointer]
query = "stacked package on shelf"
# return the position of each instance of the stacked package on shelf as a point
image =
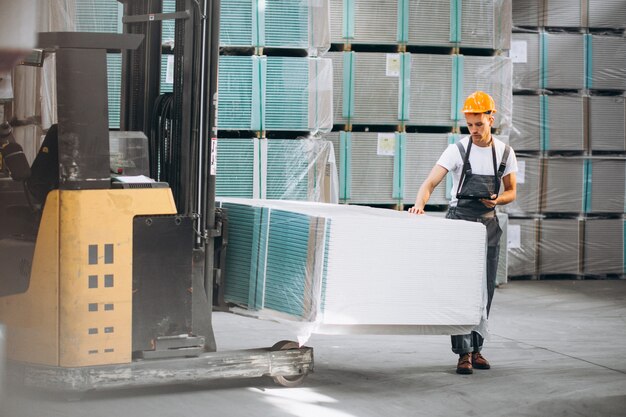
(522, 246)
(275, 93)
(604, 247)
(484, 24)
(302, 25)
(570, 56)
(315, 263)
(286, 96)
(380, 168)
(560, 246)
(610, 14)
(607, 127)
(286, 169)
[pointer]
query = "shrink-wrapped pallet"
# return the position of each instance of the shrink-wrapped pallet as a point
(285, 24)
(560, 246)
(285, 169)
(275, 93)
(607, 129)
(522, 246)
(604, 246)
(316, 264)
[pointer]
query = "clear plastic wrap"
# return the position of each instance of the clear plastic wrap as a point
(468, 23)
(570, 13)
(522, 246)
(604, 249)
(584, 185)
(527, 124)
(560, 246)
(18, 30)
(275, 93)
(315, 264)
(568, 61)
(286, 24)
(494, 76)
(606, 62)
(285, 169)
(607, 130)
(528, 13)
(563, 185)
(607, 14)
(529, 182)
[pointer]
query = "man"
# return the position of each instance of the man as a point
(479, 164)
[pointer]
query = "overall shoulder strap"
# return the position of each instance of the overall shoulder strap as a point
(505, 157)
(467, 168)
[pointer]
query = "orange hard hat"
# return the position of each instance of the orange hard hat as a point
(479, 102)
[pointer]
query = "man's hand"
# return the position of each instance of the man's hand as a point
(490, 203)
(416, 210)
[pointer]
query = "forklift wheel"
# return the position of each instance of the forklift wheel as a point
(287, 381)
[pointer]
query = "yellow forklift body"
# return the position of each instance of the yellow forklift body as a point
(78, 308)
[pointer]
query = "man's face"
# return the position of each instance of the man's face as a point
(479, 125)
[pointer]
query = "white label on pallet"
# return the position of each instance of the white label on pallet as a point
(169, 72)
(386, 144)
(519, 52)
(213, 156)
(393, 65)
(521, 172)
(514, 236)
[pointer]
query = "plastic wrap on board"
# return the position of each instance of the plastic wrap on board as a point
(522, 246)
(563, 123)
(606, 185)
(319, 267)
(492, 75)
(607, 14)
(528, 13)
(563, 185)
(300, 24)
(560, 246)
(372, 91)
(502, 275)
(275, 93)
(584, 185)
(604, 249)
(606, 62)
(560, 66)
(422, 153)
(607, 130)
(371, 175)
(527, 128)
(529, 177)
(432, 98)
(364, 22)
(284, 169)
(468, 23)
(570, 13)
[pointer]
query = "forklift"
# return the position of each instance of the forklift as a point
(108, 281)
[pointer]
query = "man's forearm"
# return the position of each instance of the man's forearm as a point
(506, 197)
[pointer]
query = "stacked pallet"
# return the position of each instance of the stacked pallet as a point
(402, 69)
(569, 112)
(315, 263)
(275, 93)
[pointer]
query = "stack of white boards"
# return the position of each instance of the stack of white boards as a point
(340, 269)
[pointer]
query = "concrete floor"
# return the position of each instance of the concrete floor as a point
(557, 349)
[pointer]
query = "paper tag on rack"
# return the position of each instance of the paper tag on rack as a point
(521, 172)
(213, 156)
(514, 236)
(393, 65)
(386, 144)
(519, 52)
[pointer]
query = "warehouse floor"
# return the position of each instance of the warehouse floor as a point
(557, 349)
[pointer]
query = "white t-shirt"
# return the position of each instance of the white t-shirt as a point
(481, 160)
